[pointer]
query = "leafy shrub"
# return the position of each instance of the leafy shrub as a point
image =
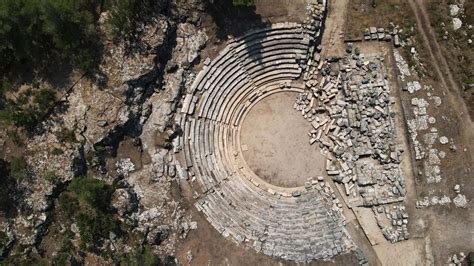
(7, 191)
(57, 151)
(18, 168)
(14, 137)
(66, 135)
(68, 204)
(93, 192)
(143, 256)
(51, 177)
(123, 14)
(242, 2)
(28, 107)
(87, 203)
(470, 259)
(95, 226)
(5, 87)
(66, 253)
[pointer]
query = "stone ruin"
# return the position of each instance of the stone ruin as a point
(348, 103)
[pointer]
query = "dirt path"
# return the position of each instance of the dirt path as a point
(333, 40)
(439, 62)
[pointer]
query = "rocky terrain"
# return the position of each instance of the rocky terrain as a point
(116, 127)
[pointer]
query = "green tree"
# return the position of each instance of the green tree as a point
(43, 33)
(91, 191)
(123, 15)
(28, 107)
(242, 2)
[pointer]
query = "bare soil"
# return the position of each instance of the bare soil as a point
(277, 144)
(333, 41)
(281, 10)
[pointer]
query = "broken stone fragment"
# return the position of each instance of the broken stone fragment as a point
(102, 123)
(296, 193)
(457, 24)
(457, 189)
(443, 140)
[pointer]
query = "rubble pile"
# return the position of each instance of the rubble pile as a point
(350, 110)
(402, 65)
(382, 34)
(347, 101)
(428, 144)
(393, 221)
(422, 133)
(456, 259)
(412, 86)
(434, 200)
(459, 201)
(315, 15)
(424, 136)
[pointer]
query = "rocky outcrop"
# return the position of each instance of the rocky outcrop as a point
(124, 201)
(138, 88)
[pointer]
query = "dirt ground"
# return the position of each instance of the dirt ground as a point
(437, 232)
(274, 138)
(332, 42)
(448, 228)
(281, 10)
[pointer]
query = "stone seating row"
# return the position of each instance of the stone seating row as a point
(226, 64)
(229, 222)
(277, 68)
(232, 198)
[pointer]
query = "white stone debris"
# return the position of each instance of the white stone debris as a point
(421, 122)
(402, 65)
(413, 86)
(454, 10)
(460, 201)
(435, 200)
(457, 24)
(189, 256)
(456, 259)
(124, 167)
(443, 140)
(457, 189)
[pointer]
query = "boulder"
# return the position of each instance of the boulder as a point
(454, 10)
(157, 235)
(457, 24)
(124, 201)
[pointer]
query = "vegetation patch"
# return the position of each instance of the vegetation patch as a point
(25, 106)
(43, 33)
(51, 177)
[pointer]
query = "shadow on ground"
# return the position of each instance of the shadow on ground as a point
(234, 20)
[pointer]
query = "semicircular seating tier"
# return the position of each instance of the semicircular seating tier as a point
(300, 224)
